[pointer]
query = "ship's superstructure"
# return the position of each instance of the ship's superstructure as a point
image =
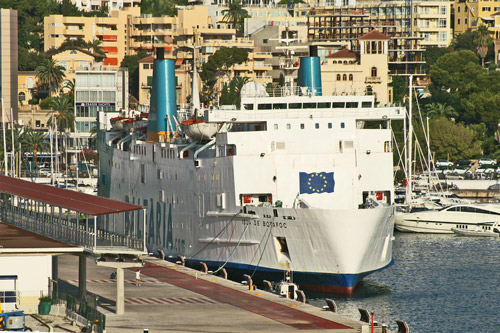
(300, 183)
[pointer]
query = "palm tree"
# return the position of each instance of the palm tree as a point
(34, 141)
(235, 14)
(62, 112)
(50, 74)
(441, 110)
(482, 39)
(95, 46)
(69, 88)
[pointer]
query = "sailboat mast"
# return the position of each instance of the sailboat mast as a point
(409, 142)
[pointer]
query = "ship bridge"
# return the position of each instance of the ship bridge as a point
(111, 231)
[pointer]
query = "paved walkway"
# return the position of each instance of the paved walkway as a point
(173, 298)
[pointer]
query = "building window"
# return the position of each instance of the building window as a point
(316, 125)
(344, 77)
(486, 9)
(458, 21)
(301, 126)
(466, 21)
(442, 23)
(22, 96)
(330, 125)
(275, 126)
(351, 77)
(374, 71)
(288, 126)
(458, 9)
(342, 125)
(338, 77)
(443, 10)
(145, 66)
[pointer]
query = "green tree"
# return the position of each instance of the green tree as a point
(50, 74)
(464, 41)
(440, 110)
(161, 7)
(34, 141)
(62, 112)
(95, 46)
(68, 88)
(399, 89)
(453, 140)
(235, 15)
(132, 63)
(432, 54)
(482, 41)
(219, 63)
(28, 60)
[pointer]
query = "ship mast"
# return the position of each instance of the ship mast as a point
(195, 92)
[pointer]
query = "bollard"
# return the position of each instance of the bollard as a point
(223, 273)
(146, 330)
(384, 328)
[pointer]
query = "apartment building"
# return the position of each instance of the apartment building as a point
(97, 90)
(9, 63)
(472, 14)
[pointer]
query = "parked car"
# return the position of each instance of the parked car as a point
(464, 163)
(494, 187)
(486, 161)
(443, 163)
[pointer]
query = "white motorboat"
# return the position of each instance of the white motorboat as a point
(462, 216)
(485, 230)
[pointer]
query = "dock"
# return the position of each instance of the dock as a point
(174, 298)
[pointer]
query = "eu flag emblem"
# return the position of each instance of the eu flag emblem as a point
(316, 182)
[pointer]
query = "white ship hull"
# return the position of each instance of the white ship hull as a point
(327, 250)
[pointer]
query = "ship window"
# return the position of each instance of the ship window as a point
(338, 105)
(295, 105)
(279, 106)
(342, 125)
(316, 125)
(275, 126)
(325, 105)
(351, 105)
(309, 105)
(288, 126)
(264, 106)
(301, 126)
(366, 104)
(248, 106)
(143, 174)
(330, 125)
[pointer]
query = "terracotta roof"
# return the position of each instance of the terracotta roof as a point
(345, 53)
(374, 35)
(148, 59)
(76, 201)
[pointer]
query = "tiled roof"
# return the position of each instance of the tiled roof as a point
(374, 35)
(345, 53)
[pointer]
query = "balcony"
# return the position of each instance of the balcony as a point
(373, 79)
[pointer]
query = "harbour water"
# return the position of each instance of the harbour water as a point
(438, 283)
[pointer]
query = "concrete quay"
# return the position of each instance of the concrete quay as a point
(175, 298)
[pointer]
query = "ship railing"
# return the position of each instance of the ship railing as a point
(383, 113)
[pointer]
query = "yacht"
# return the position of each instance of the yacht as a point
(460, 216)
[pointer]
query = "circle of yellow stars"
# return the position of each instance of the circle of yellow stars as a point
(317, 182)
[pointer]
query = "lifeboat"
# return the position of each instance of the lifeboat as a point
(198, 129)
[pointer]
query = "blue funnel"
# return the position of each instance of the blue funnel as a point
(310, 75)
(163, 107)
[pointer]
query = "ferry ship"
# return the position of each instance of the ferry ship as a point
(297, 184)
